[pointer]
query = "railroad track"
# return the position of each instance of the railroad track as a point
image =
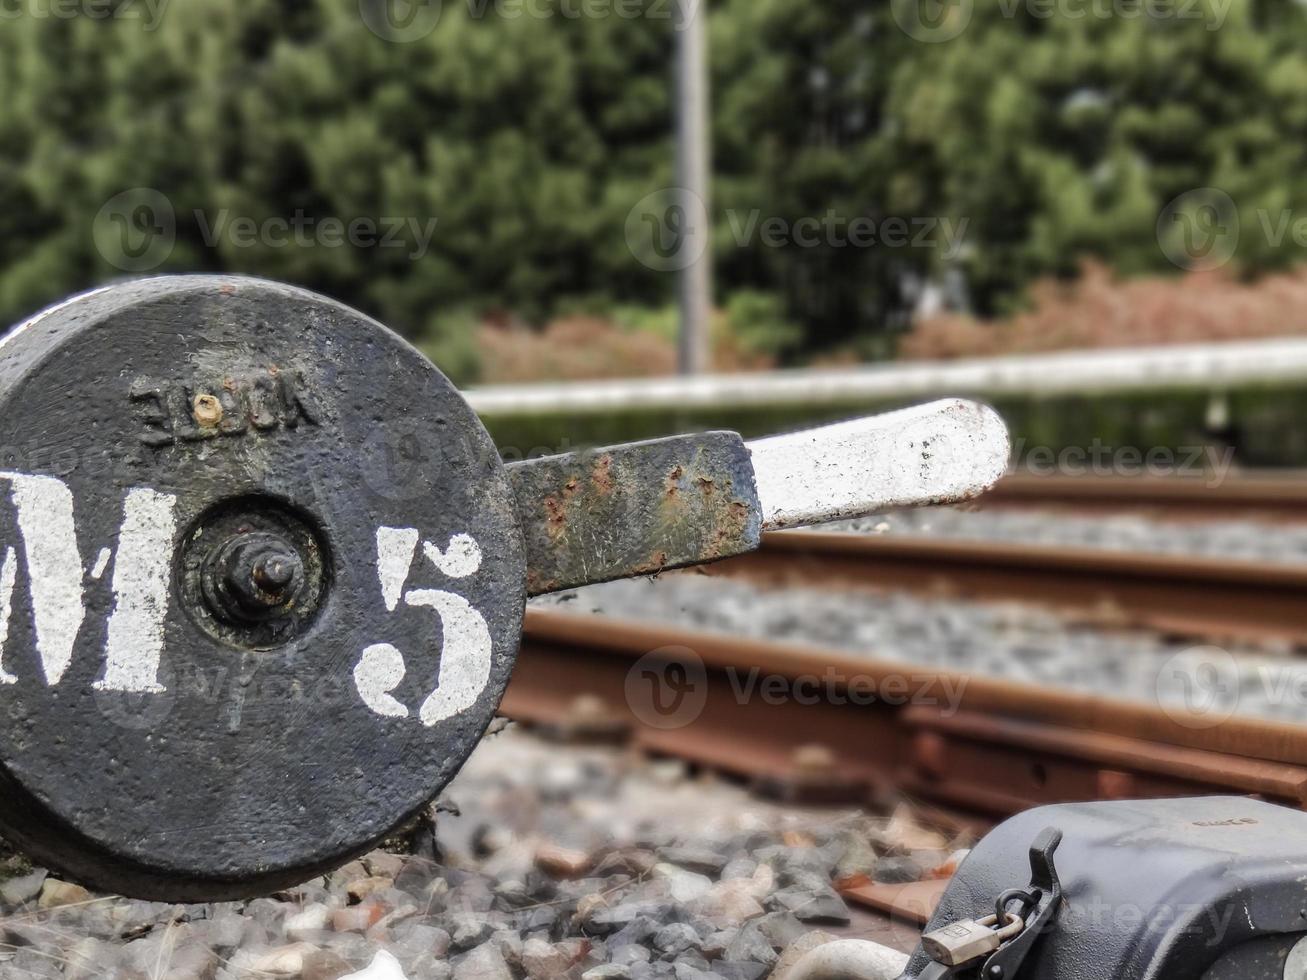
(996, 749)
(1183, 595)
(978, 746)
(1275, 496)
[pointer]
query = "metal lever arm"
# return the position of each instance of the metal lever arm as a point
(1044, 895)
(1005, 964)
(645, 507)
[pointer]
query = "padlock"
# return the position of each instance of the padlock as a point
(969, 939)
(1209, 888)
(263, 572)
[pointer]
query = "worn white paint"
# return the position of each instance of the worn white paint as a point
(1212, 366)
(460, 559)
(377, 673)
(134, 641)
(54, 567)
(101, 563)
(466, 647)
(8, 574)
(464, 655)
(395, 547)
(938, 453)
(464, 662)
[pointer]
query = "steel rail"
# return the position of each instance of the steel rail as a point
(1209, 598)
(984, 746)
(1263, 495)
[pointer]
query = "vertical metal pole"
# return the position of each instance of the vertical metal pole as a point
(694, 287)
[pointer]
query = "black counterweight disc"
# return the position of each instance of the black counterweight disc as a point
(261, 585)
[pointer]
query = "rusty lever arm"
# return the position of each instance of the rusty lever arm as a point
(644, 507)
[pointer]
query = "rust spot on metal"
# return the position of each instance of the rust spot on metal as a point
(602, 475)
(656, 563)
(555, 517)
(538, 584)
(671, 486)
(636, 510)
(557, 509)
(731, 529)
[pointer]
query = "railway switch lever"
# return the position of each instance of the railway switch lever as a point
(263, 572)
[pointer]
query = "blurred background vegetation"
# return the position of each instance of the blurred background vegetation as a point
(1058, 139)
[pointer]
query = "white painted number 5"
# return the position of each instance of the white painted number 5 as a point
(466, 651)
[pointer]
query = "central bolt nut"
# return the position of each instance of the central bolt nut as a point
(254, 572)
(207, 409)
(274, 571)
(253, 577)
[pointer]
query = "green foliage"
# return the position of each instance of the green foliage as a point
(661, 321)
(1067, 136)
(759, 325)
(449, 340)
(524, 139)
(528, 140)
(751, 323)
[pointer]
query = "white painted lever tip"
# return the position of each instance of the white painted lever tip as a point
(940, 453)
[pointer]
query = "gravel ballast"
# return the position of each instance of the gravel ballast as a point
(1242, 540)
(999, 640)
(585, 863)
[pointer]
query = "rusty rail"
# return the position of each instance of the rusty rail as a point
(983, 746)
(1276, 496)
(1209, 598)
